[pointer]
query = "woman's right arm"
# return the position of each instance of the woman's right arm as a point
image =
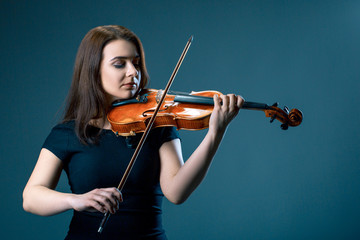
(39, 196)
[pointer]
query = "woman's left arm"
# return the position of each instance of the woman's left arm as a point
(178, 179)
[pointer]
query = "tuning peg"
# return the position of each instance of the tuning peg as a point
(284, 126)
(273, 118)
(286, 109)
(275, 104)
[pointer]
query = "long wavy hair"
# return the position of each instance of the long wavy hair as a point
(87, 99)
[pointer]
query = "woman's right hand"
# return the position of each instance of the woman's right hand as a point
(100, 199)
(40, 197)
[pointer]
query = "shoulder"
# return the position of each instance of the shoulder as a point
(60, 133)
(60, 138)
(62, 130)
(165, 134)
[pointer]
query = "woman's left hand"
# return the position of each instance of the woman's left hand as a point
(226, 107)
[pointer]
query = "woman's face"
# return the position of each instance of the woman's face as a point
(119, 70)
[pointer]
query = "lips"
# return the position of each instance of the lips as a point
(129, 85)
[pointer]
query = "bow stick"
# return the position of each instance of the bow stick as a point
(147, 130)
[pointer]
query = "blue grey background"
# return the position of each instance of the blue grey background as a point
(264, 183)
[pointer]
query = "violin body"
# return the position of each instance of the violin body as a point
(184, 111)
(131, 117)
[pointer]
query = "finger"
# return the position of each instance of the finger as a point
(225, 101)
(110, 196)
(116, 196)
(121, 196)
(217, 101)
(232, 102)
(240, 101)
(96, 206)
(104, 202)
(93, 204)
(107, 198)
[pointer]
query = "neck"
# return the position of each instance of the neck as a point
(107, 125)
(99, 123)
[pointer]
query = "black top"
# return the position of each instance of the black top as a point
(102, 165)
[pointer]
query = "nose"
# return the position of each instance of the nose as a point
(131, 70)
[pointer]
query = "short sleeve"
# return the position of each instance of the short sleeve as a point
(57, 142)
(168, 134)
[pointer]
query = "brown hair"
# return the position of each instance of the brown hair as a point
(87, 99)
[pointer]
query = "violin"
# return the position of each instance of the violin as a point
(183, 111)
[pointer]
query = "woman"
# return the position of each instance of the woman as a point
(110, 65)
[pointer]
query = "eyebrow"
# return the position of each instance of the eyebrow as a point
(123, 57)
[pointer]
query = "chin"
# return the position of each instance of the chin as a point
(123, 96)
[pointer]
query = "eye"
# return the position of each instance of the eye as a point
(119, 64)
(136, 62)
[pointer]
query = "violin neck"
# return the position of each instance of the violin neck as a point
(209, 101)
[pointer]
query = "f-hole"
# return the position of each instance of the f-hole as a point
(148, 111)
